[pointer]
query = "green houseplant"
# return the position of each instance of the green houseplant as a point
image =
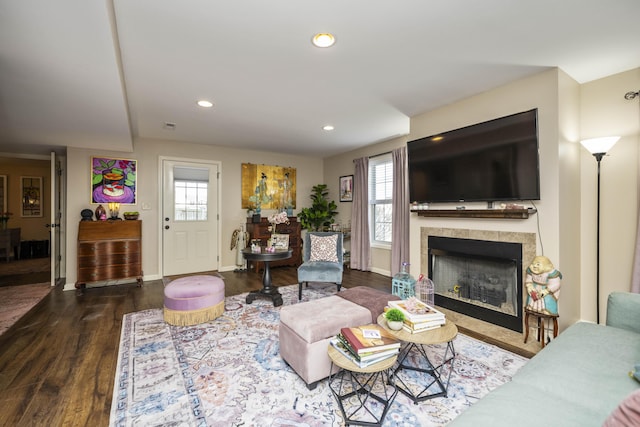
(395, 319)
(322, 211)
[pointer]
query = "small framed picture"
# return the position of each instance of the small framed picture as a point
(280, 241)
(31, 196)
(346, 188)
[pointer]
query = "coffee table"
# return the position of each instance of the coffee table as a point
(353, 387)
(431, 374)
(267, 290)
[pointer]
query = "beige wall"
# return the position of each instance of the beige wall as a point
(605, 112)
(568, 112)
(147, 153)
(32, 228)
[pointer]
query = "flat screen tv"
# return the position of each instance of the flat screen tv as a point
(491, 161)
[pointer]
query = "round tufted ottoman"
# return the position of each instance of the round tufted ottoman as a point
(194, 299)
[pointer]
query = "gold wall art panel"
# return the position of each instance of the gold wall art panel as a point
(268, 187)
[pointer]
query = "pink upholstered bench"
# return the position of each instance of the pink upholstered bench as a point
(306, 328)
(194, 299)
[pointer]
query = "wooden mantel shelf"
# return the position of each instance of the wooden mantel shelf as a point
(477, 213)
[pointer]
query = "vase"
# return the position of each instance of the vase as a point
(394, 325)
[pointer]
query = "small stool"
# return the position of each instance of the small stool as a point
(540, 318)
(192, 300)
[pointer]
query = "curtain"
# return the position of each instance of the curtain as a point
(360, 245)
(400, 210)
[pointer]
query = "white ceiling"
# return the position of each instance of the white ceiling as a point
(103, 73)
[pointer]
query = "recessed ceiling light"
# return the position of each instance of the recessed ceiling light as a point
(323, 40)
(328, 127)
(205, 104)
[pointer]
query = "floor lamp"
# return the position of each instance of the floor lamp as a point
(599, 147)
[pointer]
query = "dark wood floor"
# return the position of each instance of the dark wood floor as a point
(57, 363)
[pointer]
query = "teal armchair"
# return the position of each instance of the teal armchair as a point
(322, 258)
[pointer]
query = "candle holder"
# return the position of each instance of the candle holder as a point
(114, 210)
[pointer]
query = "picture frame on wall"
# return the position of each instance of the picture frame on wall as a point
(346, 188)
(31, 191)
(113, 180)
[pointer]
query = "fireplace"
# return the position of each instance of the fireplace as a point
(479, 278)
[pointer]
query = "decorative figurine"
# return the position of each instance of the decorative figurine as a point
(86, 214)
(543, 286)
(101, 213)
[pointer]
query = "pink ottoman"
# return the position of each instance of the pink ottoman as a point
(194, 299)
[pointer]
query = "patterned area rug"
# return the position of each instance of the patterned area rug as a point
(229, 372)
(16, 301)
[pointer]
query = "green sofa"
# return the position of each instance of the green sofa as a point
(576, 380)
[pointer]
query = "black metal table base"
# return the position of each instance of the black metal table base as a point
(433, 377)
(357, 401)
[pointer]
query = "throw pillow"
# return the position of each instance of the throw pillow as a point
(627, 414)
(324, 248)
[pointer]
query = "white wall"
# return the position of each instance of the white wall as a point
(147, 153)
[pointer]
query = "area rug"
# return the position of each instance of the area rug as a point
(228, 372)
(16, 301)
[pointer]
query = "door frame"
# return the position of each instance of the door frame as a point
(161, 160)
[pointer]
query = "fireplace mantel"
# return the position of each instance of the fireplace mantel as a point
(477, 213)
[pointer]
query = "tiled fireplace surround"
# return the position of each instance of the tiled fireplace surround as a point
(504, 337)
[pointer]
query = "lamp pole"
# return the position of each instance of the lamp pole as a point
(599, 147)
(598, 157)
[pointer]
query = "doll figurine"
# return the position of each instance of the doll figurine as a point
(543, 286)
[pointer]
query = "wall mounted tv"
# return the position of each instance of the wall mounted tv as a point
(491, 161)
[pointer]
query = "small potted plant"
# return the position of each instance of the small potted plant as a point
(395, 319)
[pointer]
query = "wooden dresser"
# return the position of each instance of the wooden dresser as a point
(109, 250)
(260, 230)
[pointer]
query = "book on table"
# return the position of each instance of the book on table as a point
(368, 338)
(416, 310)
(413, 330)
(364, 357)
(344, 350)
(429, 324)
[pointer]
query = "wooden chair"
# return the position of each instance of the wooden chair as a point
(542, 321)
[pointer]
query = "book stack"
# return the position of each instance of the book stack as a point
(419, 316)
(366, 345)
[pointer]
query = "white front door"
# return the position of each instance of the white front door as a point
(190, 217)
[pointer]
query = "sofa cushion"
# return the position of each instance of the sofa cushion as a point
(319, 319)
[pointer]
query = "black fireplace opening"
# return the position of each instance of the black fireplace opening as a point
(478, 278)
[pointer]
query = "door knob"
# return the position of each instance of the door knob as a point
(166, 227)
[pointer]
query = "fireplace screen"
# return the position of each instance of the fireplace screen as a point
(486, 283)
(481, 279)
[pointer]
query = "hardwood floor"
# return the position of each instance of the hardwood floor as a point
(58, 362)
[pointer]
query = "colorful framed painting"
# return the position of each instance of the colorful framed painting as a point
(346, 188)
(113, 180)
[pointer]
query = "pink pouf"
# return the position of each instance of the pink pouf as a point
(194, 299)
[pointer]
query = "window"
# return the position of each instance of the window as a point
(190, 200)
(380, 197)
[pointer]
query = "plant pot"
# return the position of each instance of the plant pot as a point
(394, 325)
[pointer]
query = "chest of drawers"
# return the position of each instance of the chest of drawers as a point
(109, 250)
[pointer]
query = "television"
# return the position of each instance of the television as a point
(496, 160)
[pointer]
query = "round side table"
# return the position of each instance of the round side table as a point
(355, 387)
(434, 385)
